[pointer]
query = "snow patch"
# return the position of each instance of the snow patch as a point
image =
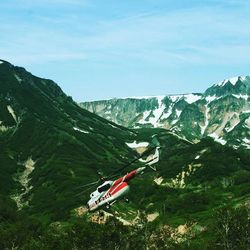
(235, 123)
(200, 154)
(206, 122)
(218, 139)
(157, 113)
(232, 80)
(18, 78)
(11, 111)
(144, 97)
(166, 115)
(246, 142)
(2, 127)
(174, 121)
(175, 98)
(137, 145)
(211, 98)
(1, 62)
(145, 116)
(81, 130)
(169, 112)
(190, 98)
(241, 96)
(247, 122)
(178, 112)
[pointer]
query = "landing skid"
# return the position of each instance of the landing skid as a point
(110, 204)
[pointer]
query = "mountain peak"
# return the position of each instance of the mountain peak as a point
(235, 85)
(3, 61)
(232, 80)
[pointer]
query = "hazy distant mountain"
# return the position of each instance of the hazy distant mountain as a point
(222, 112)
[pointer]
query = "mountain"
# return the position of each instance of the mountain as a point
(49, 145)
(221, 112)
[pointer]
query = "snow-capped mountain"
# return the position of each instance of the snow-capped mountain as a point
(50, 148)
(222, 112)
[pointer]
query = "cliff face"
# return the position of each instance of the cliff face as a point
(222, 112)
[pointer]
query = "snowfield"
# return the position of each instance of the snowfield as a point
(137, 145)
(81, 130)
(190, 98)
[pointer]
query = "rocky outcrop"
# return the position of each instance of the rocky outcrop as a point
(222, 112)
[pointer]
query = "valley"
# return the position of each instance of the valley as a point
(51, 147)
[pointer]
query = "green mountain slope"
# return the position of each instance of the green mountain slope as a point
(50, 147)
(66, 145)
(206, 168)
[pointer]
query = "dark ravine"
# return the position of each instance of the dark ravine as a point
(221, 112)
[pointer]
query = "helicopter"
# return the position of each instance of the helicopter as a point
(110, 191)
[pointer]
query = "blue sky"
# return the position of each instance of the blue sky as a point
(99, 49)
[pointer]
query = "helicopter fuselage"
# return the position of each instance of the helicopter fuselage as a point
(110, 191)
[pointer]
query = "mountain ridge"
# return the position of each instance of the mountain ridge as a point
(192, 115)
(50, 148)
(39, 124)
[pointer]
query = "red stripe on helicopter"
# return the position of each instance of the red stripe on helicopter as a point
(126, 177)
(117, 188)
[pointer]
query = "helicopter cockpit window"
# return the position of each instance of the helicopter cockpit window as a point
(104, 188)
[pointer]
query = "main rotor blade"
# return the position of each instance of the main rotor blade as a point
(114, 174)
(90, 184)
(84, 191)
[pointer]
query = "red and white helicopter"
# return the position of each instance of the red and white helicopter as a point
(109, 191)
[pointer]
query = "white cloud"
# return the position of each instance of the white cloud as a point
(194, 35)
(40, 58)
(28, 3)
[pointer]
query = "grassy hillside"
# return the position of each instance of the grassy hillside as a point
(50, 147)
(67, 144)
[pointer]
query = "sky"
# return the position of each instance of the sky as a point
(101, 49)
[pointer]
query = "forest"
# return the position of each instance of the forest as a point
(228, 229)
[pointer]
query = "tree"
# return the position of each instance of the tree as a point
(232, 228)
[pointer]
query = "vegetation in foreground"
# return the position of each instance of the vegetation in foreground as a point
(228, 229)
(69, 145)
